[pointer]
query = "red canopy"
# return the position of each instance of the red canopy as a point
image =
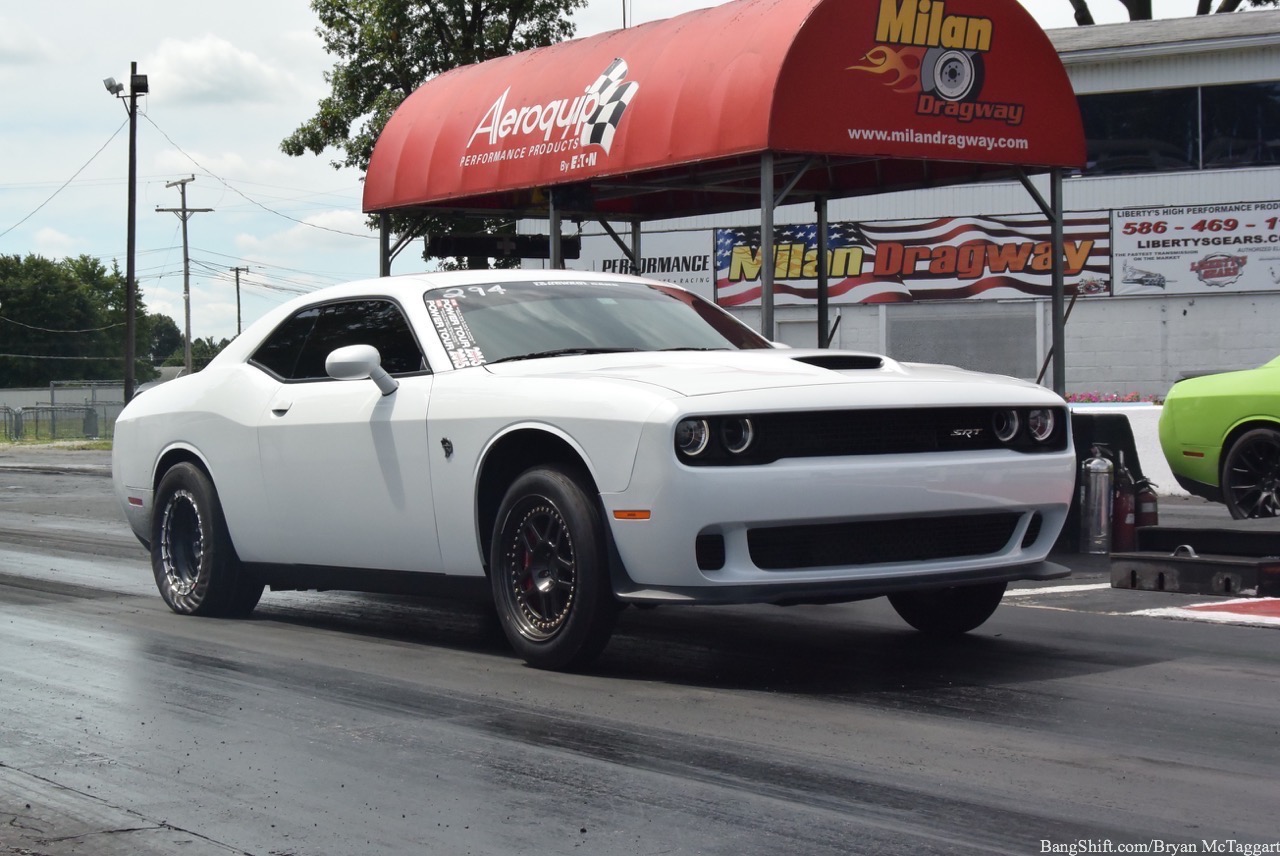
(670, 118)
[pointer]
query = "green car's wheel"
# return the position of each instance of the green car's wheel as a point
(1251, 474)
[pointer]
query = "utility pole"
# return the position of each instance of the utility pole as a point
(237, 271)
(184, 214)
(137, 86)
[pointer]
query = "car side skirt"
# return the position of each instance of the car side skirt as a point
(370, 581)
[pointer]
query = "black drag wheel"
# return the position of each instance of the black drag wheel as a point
(1251, 474)
(194, 562)
(949, 611)
(549, 572)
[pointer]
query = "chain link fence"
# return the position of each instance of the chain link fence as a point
(36, 415)
(46, 423)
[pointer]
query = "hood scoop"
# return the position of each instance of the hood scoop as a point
(842, 362)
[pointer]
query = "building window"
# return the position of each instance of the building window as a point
(1208, 127)
(1152, 131)
(1241, 125)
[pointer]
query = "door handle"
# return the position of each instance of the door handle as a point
(280, 408)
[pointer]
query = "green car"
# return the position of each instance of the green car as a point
(1221, 436)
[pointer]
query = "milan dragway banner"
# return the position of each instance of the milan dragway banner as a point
(948, 258)
(1197, 249)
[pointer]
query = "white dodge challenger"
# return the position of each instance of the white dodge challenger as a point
(569, 443)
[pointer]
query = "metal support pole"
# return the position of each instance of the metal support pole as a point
(637, 260)
(1059, 321)
(824, 336)
(767, 261)
(384, 244)
(553, 213)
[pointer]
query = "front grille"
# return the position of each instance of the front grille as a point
(917, 539)
(1033, 530)
(903, 430)
(709, 551)
(887, 432)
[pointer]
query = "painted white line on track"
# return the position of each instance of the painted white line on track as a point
(1057, 589)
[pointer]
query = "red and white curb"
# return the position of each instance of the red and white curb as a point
(1248, 611)
(1258, 612)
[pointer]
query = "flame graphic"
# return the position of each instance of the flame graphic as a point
(904, 65)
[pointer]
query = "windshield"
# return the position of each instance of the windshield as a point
(487, 323)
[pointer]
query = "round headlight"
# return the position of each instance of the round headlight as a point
(737, 434)
(1040, 423)
(1005, 425)
(692, 436)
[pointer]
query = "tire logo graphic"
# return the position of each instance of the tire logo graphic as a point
(951, 75)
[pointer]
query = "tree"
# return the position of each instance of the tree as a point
(386, 49)
(63, 320)
(1140, 10)
(202, 351)
(165, 339)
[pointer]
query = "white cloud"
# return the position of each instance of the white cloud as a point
(53, 244)
(20, 46)
(211, 70)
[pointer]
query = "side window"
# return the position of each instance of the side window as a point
(279, 354)
(298, 348)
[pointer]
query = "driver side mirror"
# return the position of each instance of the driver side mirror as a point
(357, 362)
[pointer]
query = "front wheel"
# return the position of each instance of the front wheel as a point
(549, 572)
(194, 562)
(949, 611)
(1251, 475)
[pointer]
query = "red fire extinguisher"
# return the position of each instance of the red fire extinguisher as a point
(1124, 509)
(1148, 513)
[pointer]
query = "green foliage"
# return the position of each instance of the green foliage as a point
(202, 351)
(385, 49)
(65, 320)
(1140, 10)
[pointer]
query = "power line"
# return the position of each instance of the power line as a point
(249, 199)
(48, 330)
(68, 181)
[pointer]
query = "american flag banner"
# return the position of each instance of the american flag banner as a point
(947, 258)
(614, 96)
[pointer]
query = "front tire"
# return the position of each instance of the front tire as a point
(195, 565)
(549, 571)
(949, 611)
(1251, 475)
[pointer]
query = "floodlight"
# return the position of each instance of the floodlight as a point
(112, 86)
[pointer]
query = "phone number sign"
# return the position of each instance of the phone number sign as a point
(1196, 249)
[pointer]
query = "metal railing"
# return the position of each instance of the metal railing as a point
(46, 423)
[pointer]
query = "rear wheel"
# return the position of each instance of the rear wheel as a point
(195, 565)
(549, 571)
(949, 611)
(1251, 475)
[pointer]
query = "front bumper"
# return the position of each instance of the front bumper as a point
(842, 500)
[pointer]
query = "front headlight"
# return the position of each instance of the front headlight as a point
(692, 437)
(1040, 423)
(1005, 424)
(737, 434)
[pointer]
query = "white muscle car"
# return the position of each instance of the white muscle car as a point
(569, 443)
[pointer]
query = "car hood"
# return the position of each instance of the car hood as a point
(695, 373)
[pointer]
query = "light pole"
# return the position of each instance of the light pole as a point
(137, 86)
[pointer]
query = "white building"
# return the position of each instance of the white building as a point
(1182, 118)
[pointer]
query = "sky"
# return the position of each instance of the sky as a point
(228, 81)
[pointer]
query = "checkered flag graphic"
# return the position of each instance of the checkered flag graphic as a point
(614, 96)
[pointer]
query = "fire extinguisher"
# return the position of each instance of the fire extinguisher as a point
(1148, 505)
(1095, 504)
(1124, 512)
